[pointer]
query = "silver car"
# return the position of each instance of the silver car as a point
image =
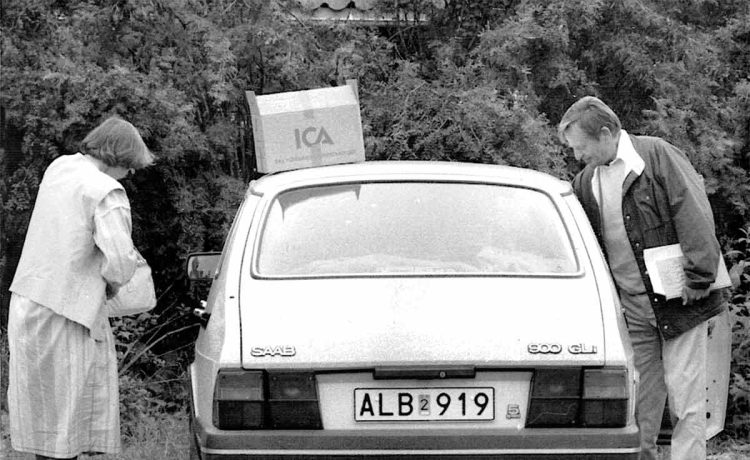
(411, 310)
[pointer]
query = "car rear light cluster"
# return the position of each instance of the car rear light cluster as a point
(578, 398)
(257, 400)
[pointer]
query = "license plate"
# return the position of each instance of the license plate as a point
(424, 404)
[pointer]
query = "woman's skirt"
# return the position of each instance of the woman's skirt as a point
(62, 389)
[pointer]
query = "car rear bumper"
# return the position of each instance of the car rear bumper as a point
(604, 443)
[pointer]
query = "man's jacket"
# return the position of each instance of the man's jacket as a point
(665, 204)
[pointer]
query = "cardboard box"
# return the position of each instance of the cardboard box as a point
(302, 129)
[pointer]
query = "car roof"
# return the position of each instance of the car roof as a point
(410, 171)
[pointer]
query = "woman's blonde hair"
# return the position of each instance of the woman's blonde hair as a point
(117, 143)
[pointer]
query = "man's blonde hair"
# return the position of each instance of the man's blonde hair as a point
(117, 143)
(591, 115)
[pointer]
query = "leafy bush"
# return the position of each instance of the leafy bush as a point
(738, 405)
(152, 378)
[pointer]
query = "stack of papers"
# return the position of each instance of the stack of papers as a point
(665, 270)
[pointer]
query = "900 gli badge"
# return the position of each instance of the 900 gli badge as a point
(556, 348)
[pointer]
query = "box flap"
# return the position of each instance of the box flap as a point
(299, 101)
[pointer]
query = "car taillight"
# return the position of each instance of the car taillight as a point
(255, 400)
(605, 397)
(578, 397)
(555, 398)
(293, 400)
(238, 400)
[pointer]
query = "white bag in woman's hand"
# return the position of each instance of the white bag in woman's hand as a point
(137, 295)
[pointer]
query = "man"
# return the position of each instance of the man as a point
(641, 192)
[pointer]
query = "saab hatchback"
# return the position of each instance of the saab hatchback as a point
(411, 310)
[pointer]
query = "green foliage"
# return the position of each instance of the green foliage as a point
(456, 119)
(159, 435)
(152, 376)
(738, 406)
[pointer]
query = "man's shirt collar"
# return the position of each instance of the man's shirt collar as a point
(627, 154)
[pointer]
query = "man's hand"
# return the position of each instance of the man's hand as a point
(691, 295)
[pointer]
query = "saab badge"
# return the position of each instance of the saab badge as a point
(277, 350)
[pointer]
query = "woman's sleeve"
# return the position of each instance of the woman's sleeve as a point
(112, 230)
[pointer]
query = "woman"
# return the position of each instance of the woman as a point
(62, 393)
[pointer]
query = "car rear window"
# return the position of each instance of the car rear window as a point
(413, 228)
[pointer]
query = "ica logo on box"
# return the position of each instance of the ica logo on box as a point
(302, 129)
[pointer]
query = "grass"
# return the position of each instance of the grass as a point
(728, 449)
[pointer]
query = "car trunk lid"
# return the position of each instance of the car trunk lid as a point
(346, 323)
